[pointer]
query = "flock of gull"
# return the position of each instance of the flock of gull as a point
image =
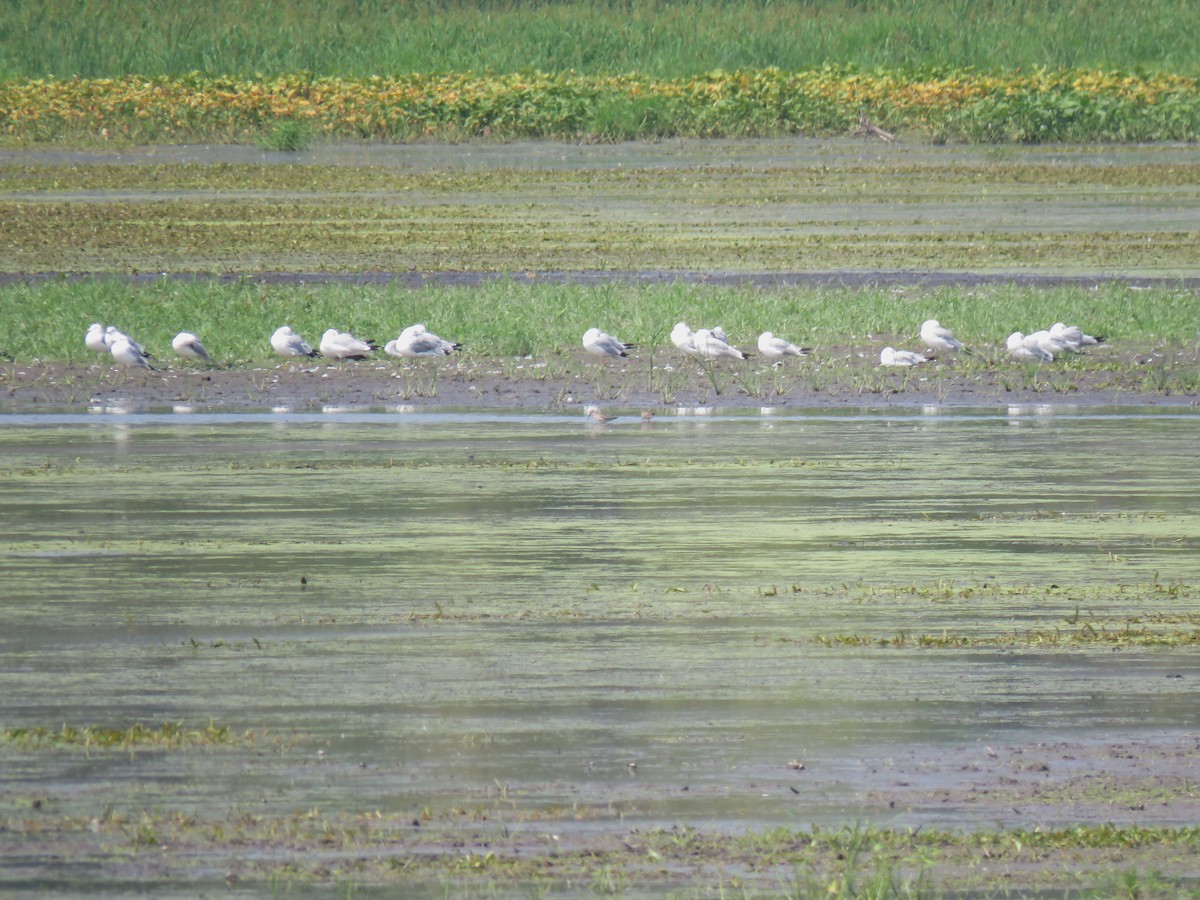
(416, 341)
(712, 343)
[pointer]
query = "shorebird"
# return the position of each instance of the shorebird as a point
(602, 344)
(776, 347)
(188, 346)
(287, 343)
(343, 345)
(937, 338)
(889, 356)
(597, 415)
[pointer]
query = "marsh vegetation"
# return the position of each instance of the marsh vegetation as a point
(600, 37)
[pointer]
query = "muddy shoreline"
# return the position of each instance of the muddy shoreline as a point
(1066, 816)
(842, 377)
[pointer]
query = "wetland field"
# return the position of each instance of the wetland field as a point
(509, 652)
(818, 629)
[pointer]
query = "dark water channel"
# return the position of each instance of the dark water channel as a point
(594, 625)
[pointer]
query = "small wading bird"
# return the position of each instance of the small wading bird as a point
(287, 343)
(597, 415)
(1022, 349)
(603, 344)
(937, 338)
(417, 340)
(776, 347)
(889, 356)
(341, 345)
(188, 346)
(128, 354)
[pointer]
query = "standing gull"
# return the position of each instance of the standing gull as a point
(603, 344)
(128, 354)
(112, 334)
(95, 339)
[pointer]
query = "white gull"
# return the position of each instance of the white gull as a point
(603, 344)
(286, 342)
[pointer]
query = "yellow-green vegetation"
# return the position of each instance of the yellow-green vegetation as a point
(1046, 105)
(168, 736)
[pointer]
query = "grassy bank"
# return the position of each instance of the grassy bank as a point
(665, 39)
(507, 317)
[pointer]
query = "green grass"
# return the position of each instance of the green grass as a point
(508, 317)
(287, 135)
(64, 38)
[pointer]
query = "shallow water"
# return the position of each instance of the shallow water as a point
(456, 610)
(699, 153)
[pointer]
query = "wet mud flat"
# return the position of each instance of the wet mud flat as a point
(846, 376)
(1065, 818)
(745, 207)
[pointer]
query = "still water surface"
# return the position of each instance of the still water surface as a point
(449, 609)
